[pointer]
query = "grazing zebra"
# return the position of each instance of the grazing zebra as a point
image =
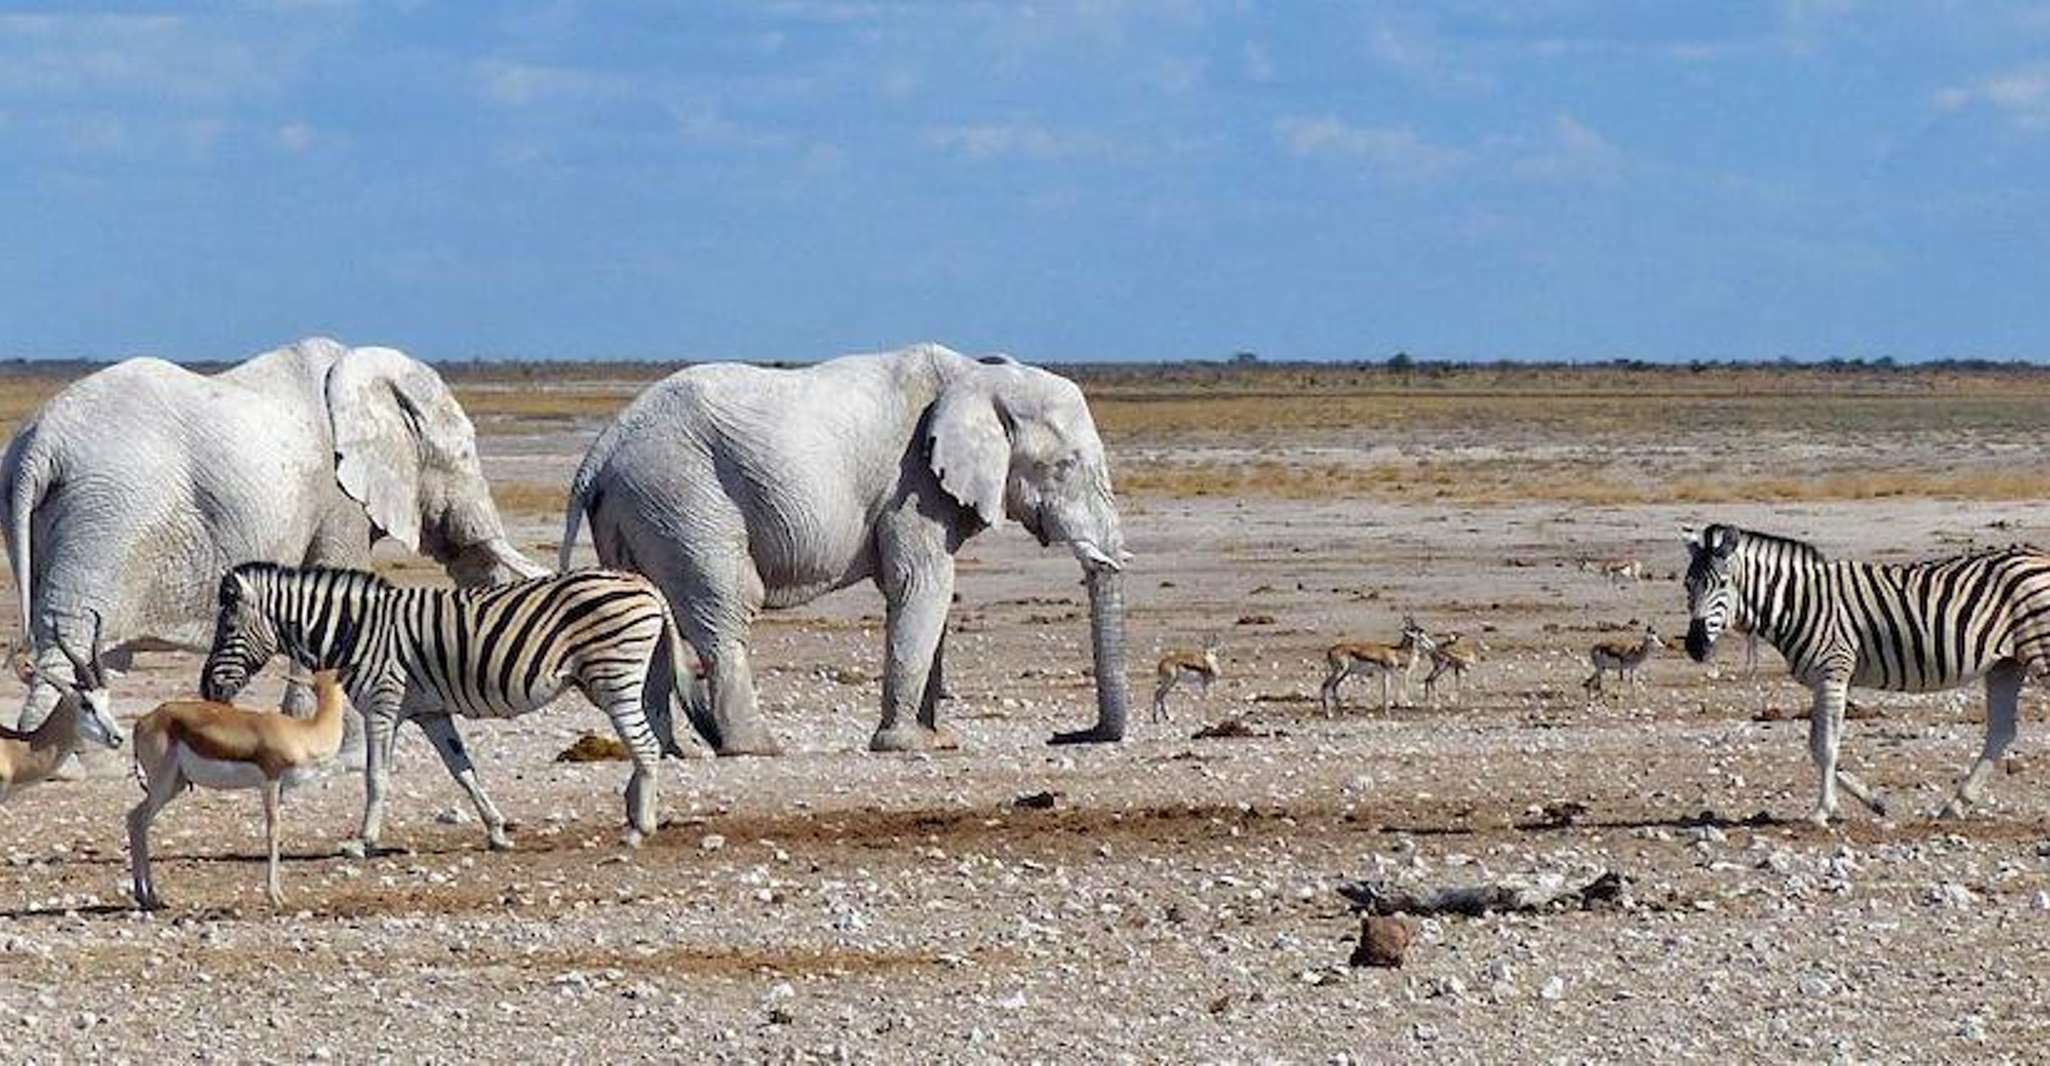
(430, 654)
(1915, 627)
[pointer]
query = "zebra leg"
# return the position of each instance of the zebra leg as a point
(448, 743)
(381, 734)
(646, 751)
(1825, 729)
(2003, 701)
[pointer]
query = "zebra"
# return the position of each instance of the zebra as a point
(1916, 627)
(431, 654)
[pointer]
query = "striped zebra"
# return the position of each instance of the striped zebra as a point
(1916, 627)
(431, 654)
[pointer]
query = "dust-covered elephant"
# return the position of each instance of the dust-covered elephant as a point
(133, 490)
(738, 488)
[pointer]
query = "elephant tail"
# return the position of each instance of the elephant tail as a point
(24, 478)
(583, 492)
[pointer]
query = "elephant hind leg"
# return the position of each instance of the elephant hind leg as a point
(733, 725)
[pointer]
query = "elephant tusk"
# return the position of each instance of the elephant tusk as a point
(1093, 556)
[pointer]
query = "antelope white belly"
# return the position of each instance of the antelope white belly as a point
(219, 774)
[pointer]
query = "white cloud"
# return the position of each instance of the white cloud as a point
(1422, 56)
(1571, 152)
(1393, 152)
(2022, 94)
(522, 84)
(702, 122)
(1259, 64)
(1013, 140)
(297, 138)
(160, 56)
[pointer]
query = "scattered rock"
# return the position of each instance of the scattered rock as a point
(1037, 801)
(1384, 940)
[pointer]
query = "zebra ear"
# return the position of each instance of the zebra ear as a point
(1690, 536)
(1724, 540)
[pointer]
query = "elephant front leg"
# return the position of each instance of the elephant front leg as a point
(448, 743)
(916, 622)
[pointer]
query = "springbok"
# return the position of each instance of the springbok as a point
(1622, 657)
(1454, 655)
(83, 716)
(221, 746)
(1179, 665)
(1368, 657)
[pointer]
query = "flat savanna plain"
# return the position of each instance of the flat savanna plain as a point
(1176, 901)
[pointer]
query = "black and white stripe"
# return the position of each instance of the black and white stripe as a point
(433, 654)
(1915, 627)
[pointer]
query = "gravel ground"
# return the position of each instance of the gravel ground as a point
(1176, 901)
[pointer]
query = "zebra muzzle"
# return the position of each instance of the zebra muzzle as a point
(1699, 643)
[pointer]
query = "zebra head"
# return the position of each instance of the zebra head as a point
(1711, 593)
(245, 636)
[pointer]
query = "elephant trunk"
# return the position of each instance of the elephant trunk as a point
(1107, 641)
(491, 562)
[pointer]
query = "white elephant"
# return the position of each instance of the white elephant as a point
(737, 488)
(135, 488)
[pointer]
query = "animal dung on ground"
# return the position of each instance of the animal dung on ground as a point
(1256, 620)
(1384, 940)
(1234, 729)
(593, 748)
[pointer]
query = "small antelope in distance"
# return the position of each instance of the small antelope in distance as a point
(82, 716)
(1617, 571)
(1455, 655)
(1179, 665)
(1623, 657)
(1368, 657)
(221, 746)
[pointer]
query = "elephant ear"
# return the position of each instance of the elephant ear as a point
(392, 415)
(969, 446)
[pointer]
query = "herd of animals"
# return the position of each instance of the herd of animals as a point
(147, 507)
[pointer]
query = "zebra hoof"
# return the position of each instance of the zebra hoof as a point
(1951, 811)
(354, 849)
(633, 838)
(498, 841)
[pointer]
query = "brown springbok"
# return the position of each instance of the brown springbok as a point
(1622, 657)
(1368, 657)
(1179, 665)
(1454, 655)
(83, 716)
(221, 746)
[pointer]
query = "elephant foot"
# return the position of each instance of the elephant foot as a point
(1097, 734)
(753, 740)
(913, 738)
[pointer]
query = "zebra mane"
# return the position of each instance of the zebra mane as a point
(266, 573)
(1794, 546)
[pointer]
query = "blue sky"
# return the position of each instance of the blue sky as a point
(1062, 180)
